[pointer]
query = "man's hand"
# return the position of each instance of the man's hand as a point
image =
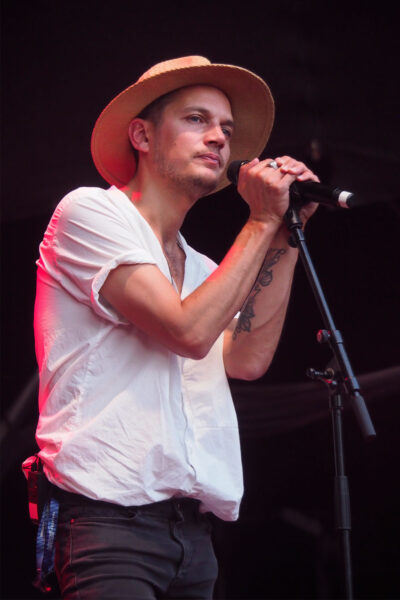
(266, 189)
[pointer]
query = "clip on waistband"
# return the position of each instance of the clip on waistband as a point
(45, 544)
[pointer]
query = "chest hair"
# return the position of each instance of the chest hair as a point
(176, 263)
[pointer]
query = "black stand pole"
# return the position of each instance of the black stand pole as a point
(341, 493)
(340, 380)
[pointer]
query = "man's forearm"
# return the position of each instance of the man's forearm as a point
(249, 349)
(224, 293)
(264, 279)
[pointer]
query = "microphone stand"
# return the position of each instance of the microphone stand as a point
(340, 380)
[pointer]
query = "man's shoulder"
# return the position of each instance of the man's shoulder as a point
(89, 199)
(86, 193)
(88, 208)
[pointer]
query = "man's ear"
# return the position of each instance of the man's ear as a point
(137, 132)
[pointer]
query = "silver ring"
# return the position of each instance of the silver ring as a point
(273, 164)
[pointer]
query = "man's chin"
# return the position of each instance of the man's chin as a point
(204, 185)
(206, 182)
(197, 183)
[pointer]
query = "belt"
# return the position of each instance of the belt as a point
(165, 508)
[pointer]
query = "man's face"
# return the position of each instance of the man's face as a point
(191, 142)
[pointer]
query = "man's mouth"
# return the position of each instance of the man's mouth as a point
(210, 158)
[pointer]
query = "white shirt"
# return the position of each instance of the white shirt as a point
(122, 418)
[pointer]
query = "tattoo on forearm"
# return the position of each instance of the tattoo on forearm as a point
(263, 280)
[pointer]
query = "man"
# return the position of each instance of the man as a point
(136, 332)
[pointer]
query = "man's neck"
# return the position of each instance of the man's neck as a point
(164, 209)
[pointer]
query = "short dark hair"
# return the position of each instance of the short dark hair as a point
(153, 112)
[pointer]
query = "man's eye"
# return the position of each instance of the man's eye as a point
(195, 118)
(227, 132)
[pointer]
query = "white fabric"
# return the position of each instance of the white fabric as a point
(122, 418)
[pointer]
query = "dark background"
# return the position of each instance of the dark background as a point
(333, 70)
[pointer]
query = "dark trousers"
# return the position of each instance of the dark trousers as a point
(108, 552)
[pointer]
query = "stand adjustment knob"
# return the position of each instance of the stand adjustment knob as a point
(323, 336)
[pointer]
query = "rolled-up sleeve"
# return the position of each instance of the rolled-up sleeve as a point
(85, 240)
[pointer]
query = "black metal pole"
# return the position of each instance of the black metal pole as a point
(340, 380)
(334, 337)
(341, 493)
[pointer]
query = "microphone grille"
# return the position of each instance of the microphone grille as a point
(233, 170)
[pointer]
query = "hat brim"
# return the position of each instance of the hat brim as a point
(251, 102)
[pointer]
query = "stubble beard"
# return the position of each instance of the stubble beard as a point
(195, 186)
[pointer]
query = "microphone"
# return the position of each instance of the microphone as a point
(306, 191)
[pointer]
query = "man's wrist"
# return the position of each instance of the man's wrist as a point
(270, 225)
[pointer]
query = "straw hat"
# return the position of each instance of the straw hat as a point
(251, 102)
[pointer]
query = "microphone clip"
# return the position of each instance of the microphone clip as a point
(293, 221)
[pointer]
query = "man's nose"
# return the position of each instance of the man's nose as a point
(215, 135)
